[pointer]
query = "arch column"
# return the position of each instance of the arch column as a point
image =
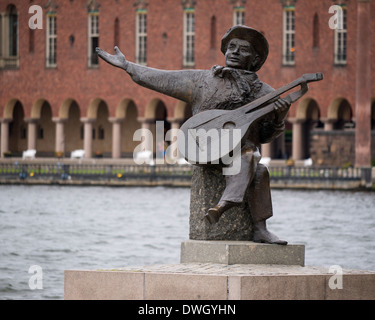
(87, 136)
(116, 137)
(31, 133)
(267, 150)
(328, 124)
(60, 134)
(297, 138)
(4, 135)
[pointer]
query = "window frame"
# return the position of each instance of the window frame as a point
(51, 40)
(288, 56)
(341, 40)
(238, 16)
(141, 37)
(189, 38)
(93, 33)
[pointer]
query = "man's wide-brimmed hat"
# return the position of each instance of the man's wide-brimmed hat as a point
(256, 39)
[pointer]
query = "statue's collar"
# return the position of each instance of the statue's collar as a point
(222, 72)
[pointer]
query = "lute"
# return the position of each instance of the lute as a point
(211, 136)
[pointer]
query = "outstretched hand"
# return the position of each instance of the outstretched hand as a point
(117, 60)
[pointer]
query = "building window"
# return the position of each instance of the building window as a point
(141, 36)
(316, 31)
(51, 39)
(288, 36)
(189, 37)
(9, 39)
(213, 33)
(117, 33)
(238, 15)
(93, 37)
(31, 40)
(13, 31)
(341, 38)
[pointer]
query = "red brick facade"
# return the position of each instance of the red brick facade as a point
(104, 95)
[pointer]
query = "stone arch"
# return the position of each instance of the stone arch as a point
(340, 113)
(17, 140)
(45, 128)
(123, 107)
(182, 111)
(36, 110)
(65, 108)
(308, 109)
(9, 107)
(307, 119)
(92, 111)
(156, 111)
(70, 114)
(127, 111)
(101, 128)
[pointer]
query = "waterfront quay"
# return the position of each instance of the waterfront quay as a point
(126, 172)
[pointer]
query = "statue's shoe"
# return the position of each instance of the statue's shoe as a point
(213, 215)
(268, 237)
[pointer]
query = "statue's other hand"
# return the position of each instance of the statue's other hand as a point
(118, 59)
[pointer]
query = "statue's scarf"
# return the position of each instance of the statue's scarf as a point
(245, 86)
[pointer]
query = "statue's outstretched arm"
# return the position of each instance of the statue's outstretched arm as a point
(178, 84)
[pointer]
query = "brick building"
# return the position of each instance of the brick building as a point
(55, 96)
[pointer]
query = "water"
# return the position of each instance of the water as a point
(60, 228)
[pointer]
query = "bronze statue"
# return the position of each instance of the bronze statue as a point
(227, 88)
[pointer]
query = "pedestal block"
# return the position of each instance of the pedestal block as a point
(209, 281)
(241, 252)
(207, 186)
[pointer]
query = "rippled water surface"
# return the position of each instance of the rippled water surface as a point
(60, 228)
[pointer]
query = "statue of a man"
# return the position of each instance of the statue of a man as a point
(228, 87)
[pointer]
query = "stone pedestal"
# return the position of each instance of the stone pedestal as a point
(207, 186)
(241, 252)
(208, 281)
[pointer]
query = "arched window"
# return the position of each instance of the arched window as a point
(316, 31)
(213, 33)
(12, 31)
(117, 33)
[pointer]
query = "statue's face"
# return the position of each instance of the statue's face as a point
(240, 54)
